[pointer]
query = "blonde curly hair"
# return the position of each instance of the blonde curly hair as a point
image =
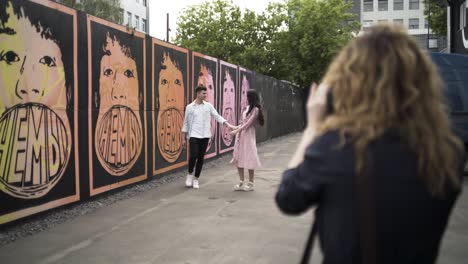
(382, 80)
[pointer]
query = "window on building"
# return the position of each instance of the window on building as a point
(426, 23)
(129, 19)
(382, 21)
(144, 2)
(413, 23)
(368, 5)
(383, 5)
(137, 22)
(121, 16)
(413, 4)
(397, 4)
(143, 25)
(398, 21)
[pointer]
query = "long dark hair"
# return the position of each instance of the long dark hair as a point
(254, 101)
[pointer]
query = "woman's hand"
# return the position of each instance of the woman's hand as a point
(234, 132)
(316, 105)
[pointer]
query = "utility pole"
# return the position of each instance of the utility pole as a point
(428, 21)
(167, 28)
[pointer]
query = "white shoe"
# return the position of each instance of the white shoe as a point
(239, 186)
(189, 181)
(196, 184)
(249, 187)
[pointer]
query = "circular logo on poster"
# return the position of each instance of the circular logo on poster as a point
(35, 146)
(118, 140)
(225, 132)
(170, 134)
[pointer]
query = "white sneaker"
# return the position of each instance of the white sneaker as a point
(239, 186)
(196, 185)
(189, 181)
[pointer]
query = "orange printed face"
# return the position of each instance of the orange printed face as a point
(118, 81)
(244, 88)
(171, 110)
(229, 104)
(118, 139)
(205, 79)
(34, 126)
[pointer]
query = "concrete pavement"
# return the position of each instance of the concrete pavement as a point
(172, 224)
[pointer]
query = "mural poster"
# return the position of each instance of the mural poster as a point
(228, 103)
(246, 81)
(117, 116)
(170, 94)
(38, 140)
(205, 73)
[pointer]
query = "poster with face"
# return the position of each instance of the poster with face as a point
(228, 103)
(38, 141)
(117, 137)
(245, 80)
(170, 90)
(205, 73)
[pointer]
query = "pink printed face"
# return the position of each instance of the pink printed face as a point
(229, 106)
(118, 135)
(205, 79)
(244, 88)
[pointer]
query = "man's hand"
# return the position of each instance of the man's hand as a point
(184, 142)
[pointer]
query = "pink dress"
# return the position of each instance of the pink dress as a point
(245, 149)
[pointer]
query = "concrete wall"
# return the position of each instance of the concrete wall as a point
(87, 106)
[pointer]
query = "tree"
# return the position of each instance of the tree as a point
(294, 40)
(106, 9)
(436, 12)
(316, 31)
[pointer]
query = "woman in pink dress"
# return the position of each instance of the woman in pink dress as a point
(245, 149)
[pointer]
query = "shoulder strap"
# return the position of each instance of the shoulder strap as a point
(310, 242)
(367, 215)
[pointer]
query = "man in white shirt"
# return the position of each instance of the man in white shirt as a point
(197, 128)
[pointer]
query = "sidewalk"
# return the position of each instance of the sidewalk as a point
(172, 224)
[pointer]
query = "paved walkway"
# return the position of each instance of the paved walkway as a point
(172, 224)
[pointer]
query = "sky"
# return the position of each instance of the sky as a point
(159, 8)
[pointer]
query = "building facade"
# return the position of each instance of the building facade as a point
(409, 13)
(135, 14)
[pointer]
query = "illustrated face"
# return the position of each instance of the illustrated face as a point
(118, 139)
(205, 78)
(171, 110)
(118, 80)
(229, 99)
(34, 126)
(171, 86)
(244, 88)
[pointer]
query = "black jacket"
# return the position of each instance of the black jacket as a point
(409, 220)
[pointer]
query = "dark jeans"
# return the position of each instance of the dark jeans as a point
(197, 154)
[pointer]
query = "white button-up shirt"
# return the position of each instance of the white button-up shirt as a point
(197, 121)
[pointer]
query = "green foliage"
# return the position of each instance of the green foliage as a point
(436, 12)
(106, 9)
(294, 40)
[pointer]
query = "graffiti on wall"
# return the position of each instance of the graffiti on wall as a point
(170, 90)
(205, 73)
(228, 103)
(37, 96)
(117, 103)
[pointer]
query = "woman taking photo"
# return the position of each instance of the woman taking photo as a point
(382, 164)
